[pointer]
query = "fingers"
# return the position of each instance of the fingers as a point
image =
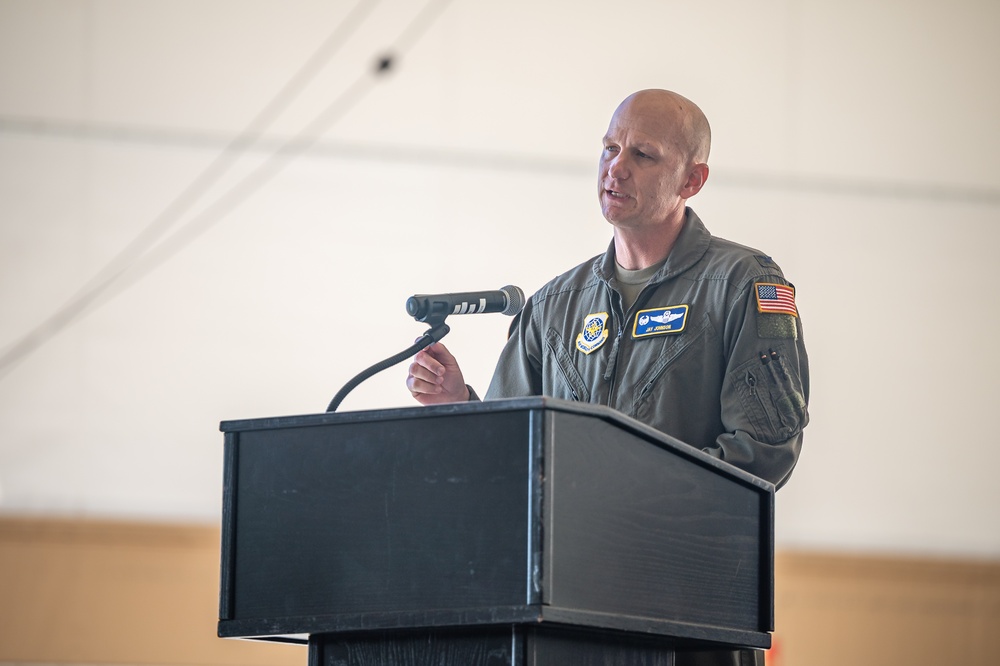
(434, 377)
(440, 354)
(426, 374)
(425, 379)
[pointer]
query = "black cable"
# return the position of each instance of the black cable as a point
(253, 131)
(433, 334)
(113, 271)
(125, 265)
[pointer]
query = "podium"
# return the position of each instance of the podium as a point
(526, 531)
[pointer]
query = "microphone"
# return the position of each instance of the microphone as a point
(508, 300)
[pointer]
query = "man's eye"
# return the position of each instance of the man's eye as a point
(642, 154)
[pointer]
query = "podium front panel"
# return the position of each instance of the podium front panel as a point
(363, 518)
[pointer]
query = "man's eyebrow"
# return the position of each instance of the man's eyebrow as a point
(642, 146)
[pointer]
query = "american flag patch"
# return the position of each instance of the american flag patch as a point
(779, 298)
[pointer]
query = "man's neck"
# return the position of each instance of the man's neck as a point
(636, 249)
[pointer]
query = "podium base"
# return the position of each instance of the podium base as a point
(515, 646)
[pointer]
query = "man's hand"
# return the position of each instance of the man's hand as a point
(435, 377)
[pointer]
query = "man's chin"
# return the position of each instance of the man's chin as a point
(616, 216)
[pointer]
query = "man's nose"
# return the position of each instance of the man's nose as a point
(618, 169)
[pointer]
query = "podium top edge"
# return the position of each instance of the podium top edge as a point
(501, 405)
(393, 413)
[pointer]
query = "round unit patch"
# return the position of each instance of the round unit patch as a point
(595, 332)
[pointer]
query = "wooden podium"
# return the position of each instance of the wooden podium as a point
(529, 531)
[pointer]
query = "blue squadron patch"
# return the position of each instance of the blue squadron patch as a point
(595, 332)
(660, 321)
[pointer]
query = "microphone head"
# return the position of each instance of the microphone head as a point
(515, 299)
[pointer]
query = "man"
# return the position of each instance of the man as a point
(694, 335)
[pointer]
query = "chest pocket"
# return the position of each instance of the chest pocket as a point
(566, 375)
(675, 349)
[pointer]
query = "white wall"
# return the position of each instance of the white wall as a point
(856, 142)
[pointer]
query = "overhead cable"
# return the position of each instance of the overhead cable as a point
(140, 256)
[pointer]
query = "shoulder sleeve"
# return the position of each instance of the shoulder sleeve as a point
(518, 371)
(765, 391)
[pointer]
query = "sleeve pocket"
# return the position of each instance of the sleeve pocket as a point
(771, 396)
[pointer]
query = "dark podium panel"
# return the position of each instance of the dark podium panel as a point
(526, 525)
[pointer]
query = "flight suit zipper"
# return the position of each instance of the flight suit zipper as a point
(610, 374)
(622, 320)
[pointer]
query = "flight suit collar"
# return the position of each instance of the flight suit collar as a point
(690, 247)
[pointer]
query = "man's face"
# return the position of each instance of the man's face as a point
(643, 169)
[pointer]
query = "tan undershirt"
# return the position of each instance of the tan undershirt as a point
(630, 283)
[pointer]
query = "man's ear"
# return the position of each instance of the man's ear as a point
(697, 177)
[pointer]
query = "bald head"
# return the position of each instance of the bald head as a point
(679, 120)
(654, 159)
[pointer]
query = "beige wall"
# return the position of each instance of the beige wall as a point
(855, 141)
(863, 610)
(117, 593)
(141, 593)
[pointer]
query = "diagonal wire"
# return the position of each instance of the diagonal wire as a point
(113, 271)
(137, 260)
(245, 139)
